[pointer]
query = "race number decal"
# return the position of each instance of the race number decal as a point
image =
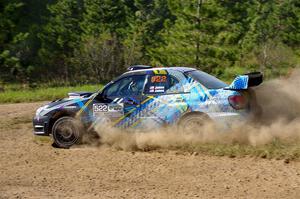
(108, 110)
(100, 108)
(158, 79)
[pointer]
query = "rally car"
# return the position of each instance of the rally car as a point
(146, 98)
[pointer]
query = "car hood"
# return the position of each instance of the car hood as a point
(74, 101)
(74, 97)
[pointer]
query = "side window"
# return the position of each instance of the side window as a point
(162, 84)
(206, 80)
(175, 86)
(127, 86)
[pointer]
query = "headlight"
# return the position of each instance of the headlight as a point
(39, 110)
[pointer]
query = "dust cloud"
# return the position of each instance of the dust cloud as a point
(279, 119)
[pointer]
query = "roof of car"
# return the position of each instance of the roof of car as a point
(141, 71)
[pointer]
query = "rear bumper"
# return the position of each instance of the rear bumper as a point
(41, 126)
(227, 119)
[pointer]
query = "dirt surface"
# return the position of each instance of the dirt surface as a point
(33, 169)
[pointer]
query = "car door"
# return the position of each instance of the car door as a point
(165, 99)
(119, 102)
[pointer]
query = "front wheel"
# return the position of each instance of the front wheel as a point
(66, 132)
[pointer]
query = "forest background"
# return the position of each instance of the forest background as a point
(76, 42)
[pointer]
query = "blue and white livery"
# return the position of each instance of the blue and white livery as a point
(146, 98)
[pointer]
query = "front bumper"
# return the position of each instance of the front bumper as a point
(41, 126)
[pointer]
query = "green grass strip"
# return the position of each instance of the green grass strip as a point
(42, 94)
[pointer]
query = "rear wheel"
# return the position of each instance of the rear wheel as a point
(66, 132)
(194, 123)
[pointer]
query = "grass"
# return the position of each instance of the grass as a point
(42, 93)
(275, 150)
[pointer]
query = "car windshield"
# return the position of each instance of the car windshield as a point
(206, 80)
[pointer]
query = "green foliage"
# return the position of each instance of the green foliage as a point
(94, 40)
(9, 62)
(16, 94)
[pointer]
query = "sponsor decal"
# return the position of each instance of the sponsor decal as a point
(156, 89)
(160, 72)
(115, 107)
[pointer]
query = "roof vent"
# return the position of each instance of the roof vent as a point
(138, 67)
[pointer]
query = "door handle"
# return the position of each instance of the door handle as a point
(130, 101)
(179, 99)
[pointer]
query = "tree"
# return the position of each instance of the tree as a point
(60, 36)
(194, 38)
(95, 40)
(9, 62)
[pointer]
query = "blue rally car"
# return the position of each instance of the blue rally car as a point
(147, 97)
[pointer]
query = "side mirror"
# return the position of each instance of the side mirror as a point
(101, 96)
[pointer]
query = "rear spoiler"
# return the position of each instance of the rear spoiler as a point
(243, 82)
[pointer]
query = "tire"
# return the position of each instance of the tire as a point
(192, 123)
(66, 132)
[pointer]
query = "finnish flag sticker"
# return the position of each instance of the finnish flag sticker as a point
(157, 89)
